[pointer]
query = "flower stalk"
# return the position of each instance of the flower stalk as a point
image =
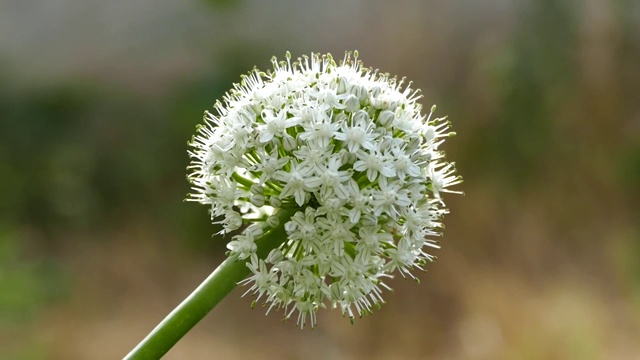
(203, 299)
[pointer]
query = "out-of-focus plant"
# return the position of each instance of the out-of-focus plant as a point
(534, 77)
(223, 4)
(26, 284)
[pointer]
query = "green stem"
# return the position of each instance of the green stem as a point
(203, 299)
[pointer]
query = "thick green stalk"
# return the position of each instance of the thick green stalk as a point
(203, 299)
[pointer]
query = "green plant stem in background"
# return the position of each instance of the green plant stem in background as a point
(203, 299)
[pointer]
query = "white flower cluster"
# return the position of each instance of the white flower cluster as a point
(348, 152)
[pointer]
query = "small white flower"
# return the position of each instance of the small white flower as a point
(391, 199)
(442, 176)
(403, 163)
(319, 131)
(296, 183)
(331, 180)
(244, 245)
(359, 203)
(374, 163)
(274, 125)
(270, 164)
(348, 152)
(358, 133)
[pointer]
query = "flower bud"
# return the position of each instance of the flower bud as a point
(273, 221)
(360, 92)
(351, 103)
(375, 91)
(275, 202)
(232, 221)
(256, 189)
(342, 85)
(257, 200)
(386, 118)
(289, 143)
(360, 116)
(254, 230)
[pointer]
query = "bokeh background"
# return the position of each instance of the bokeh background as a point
(540, 259)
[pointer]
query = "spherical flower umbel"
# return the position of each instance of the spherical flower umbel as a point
(347, 153)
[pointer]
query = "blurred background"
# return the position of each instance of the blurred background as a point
(540, 258)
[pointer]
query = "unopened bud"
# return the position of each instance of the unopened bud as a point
(351, 104)
(360, 92)
(257, 200)
(273, 221)
(386, 117)
(275, 202)
(289, 143)
(342, 85)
